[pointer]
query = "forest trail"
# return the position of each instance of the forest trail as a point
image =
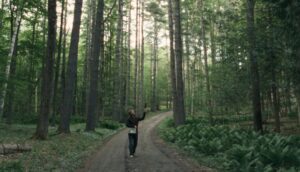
(152, 154)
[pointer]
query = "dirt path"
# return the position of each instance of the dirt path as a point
(152, 155)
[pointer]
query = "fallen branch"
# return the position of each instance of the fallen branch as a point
(13, 148)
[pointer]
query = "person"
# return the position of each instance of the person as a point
(132, 123)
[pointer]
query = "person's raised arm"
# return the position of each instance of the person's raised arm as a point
(143, 117)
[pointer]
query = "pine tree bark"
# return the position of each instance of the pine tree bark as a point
(205, 56)
(101, 83)
(154, 70)
(180, 115)
(141, 85)
(63, 63)
(69, 100)
(32, 70)
(297, 95)
(136, 62)
(213, 40)
(172, 58)
(117, 69)
(94, 68)
(128, 80)
(47, 74)
(57, 64)
(187, 66)
(89, 25)
(254, 67)
(275, 100)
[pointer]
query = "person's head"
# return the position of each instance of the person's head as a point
(131, 112)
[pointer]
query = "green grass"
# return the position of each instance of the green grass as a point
(233, 149)
(57, 153)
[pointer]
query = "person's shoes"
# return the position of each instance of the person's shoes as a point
(131, 156)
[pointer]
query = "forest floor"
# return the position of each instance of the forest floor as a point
(152, 154)
(58, 153)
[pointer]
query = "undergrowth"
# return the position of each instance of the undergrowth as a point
(234, 149)
(57, 153)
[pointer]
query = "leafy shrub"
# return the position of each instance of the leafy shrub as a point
(243, 150)
(293, 114)
(26, 119)
(109, 124)
(78, 119)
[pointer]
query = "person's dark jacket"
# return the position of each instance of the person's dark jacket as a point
(134, 121)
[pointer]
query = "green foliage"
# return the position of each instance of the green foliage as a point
(231, 119)
(109, 124)
(77, 119)
(155, 10)
(26, 119)
(241, 150)
(292, 114)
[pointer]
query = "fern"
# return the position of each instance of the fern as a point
(240, 150)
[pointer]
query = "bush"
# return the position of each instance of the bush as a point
(77, 119)
(241, 150)
(293, 114)
(26, 119)
(109, 124)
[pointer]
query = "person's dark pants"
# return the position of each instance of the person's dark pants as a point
(133, 138)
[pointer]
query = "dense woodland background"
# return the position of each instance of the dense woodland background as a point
(230, 58)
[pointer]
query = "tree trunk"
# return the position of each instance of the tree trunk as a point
(94, 66)
(288, 96)
(275, 100)
(32, 71)
(180, 115)
(57, 64)
(12, 18)
(141, 85)
(9, 98)
(135, 96)
(298, 106)
(90, 18)
(38, 74)
(8, 108)
(297, 82)
(128, 80)
(117, 68)
(47, 74)
(68, 102)
(172, 59)
(154, 70)
(122, 78)
(11, 58)
(101, 83)
(63, 65)
(2, 6)
(1, 17)
(205, 56)
(254, 67)
(213, 40)
(187, 64)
